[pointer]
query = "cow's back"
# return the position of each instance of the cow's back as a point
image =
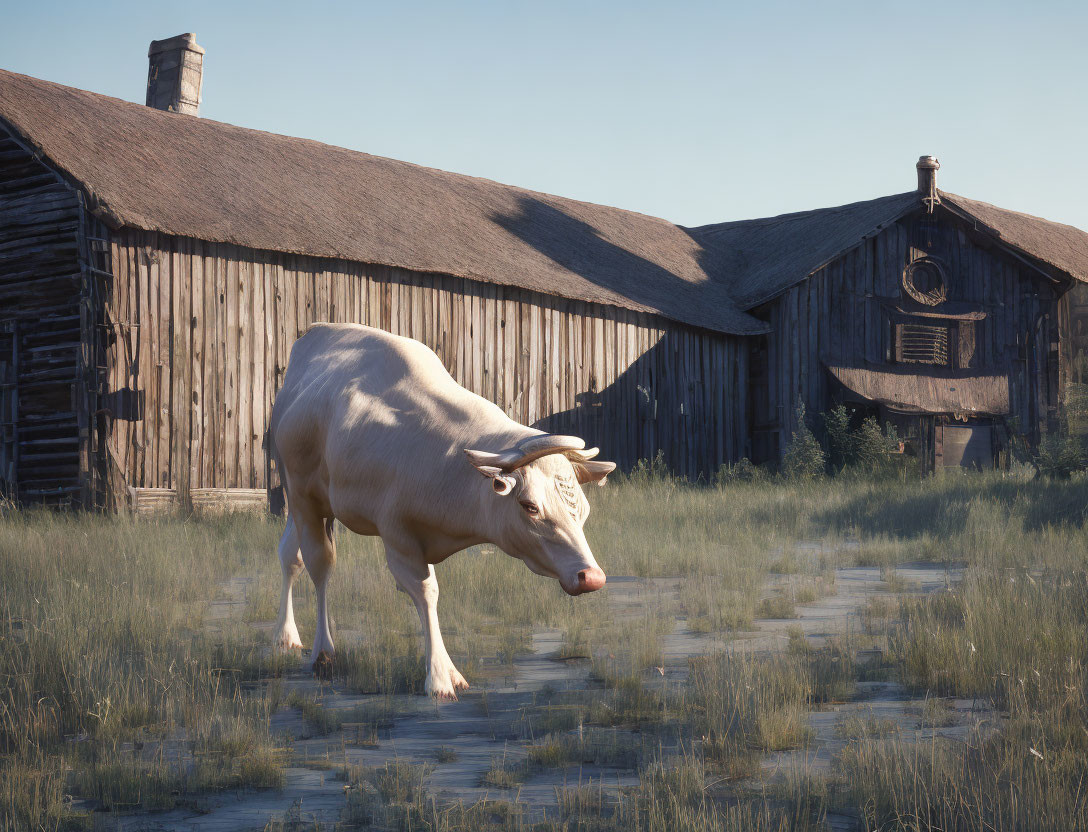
(358, 405)
(332, 360)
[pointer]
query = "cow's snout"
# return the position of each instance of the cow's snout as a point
(590, 580)
(587, 580)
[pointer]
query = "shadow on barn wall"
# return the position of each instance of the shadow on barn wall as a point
(675, 397)
(579, 247)
(652, 407)
(623, 418)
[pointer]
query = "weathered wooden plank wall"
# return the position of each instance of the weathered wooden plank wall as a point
(839, 315)
(205, 331)
(1073, 326)
(46, 310)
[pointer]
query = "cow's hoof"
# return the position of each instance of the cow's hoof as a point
(444, 682)
(287, 642)
(322, 665)
(442, 692)
(457, 680)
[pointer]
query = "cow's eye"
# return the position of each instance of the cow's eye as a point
(531, 509)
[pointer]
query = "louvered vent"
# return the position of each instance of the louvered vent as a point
(921, 344)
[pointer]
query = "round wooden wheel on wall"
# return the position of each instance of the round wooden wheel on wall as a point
(924, 280)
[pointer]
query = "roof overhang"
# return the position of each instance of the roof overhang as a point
(994, 237)
(911, 391)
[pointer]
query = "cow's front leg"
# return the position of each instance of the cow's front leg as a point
(416, 577)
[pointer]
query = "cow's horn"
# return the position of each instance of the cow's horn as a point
(583, 456)
(538, 446)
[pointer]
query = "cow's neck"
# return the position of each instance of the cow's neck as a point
(475, 504)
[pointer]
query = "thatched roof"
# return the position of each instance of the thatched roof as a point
(911, 392)
(192, 177)
(1064, 247)
(759, 259)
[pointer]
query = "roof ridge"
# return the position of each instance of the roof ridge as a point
(796, 215)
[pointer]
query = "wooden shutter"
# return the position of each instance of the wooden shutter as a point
(922, 344)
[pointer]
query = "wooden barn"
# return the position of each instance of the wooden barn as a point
(942, 315)
(156, 267)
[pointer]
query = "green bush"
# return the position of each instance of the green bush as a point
(840, 445)
(654, 470)
(1075, 406)
(743, 471)
(874, 447)
(1060, 455)
(867, 448)
(804, 459)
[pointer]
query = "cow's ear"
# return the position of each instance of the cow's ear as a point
(483, 461)
(590, 471)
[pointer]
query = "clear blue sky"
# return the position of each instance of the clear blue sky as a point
(694, 111)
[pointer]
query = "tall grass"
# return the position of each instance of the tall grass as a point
(103, 652)
(948, 786)
(1018, 640)
(742, 701)
(115, 686)
(678, 795)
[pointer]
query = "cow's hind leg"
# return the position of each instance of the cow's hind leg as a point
(291, 564)
(319, 555)
(416, 577)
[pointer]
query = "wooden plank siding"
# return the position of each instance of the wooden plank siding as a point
(214, 325)
(52, 275)
(839, 315)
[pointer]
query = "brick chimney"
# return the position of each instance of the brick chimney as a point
(174, 75)
(927, 181)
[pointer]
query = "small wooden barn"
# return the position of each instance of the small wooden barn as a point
(156, 267)
(940, 314)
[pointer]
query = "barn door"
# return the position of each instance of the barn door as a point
(9, 409)
(968, 446)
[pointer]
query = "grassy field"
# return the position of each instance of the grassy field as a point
(123, 692)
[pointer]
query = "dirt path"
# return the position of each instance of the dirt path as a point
(840, 612)
(483, 725)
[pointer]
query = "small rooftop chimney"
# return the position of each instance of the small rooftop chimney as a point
(927, 181)
(175, 71)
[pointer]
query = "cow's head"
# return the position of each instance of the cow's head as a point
(539, 507)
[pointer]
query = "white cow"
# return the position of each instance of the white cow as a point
(369, 429)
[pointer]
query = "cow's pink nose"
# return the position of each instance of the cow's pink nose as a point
(590, 580)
